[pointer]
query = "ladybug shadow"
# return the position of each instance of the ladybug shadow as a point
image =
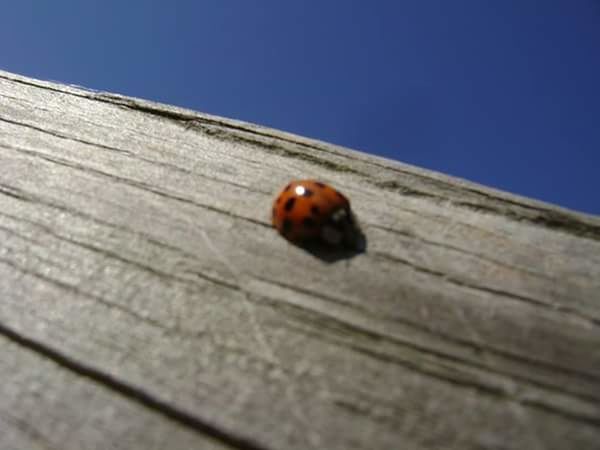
(333, 253)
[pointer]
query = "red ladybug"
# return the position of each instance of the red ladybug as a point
(308, 210)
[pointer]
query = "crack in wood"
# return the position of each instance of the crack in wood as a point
(430, 242)
(125, 153)
(369, 357)
(464, 380)
(590, 320)
(326, 321)
(76, 290)
(63, 136)
(113, 255)
(133, 183)
(133, 393)
(549, 218)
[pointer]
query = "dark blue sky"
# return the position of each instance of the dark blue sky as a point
(505, 93)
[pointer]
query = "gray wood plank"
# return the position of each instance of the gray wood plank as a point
(137, 247)
(47, 406)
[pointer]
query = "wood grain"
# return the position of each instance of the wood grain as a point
(146, 300)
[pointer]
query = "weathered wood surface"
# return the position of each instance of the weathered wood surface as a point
(145, 302)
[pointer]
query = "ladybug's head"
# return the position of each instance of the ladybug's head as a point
(342, 230)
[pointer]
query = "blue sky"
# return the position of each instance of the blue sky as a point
(504, 93)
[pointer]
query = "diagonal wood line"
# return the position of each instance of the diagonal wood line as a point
(133, 183)
(547, 217)
(60, 135)
(374, 334)
(78, 291)
(433, 243)
(132, 392)
(589, 319)
(124, 152)
(334, 299)
(484, 389)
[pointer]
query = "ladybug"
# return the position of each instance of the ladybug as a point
(308, 210)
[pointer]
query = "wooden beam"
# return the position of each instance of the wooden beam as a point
(146, 302)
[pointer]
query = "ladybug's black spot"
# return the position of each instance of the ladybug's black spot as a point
(287, 188)
(321, 185)
(308, 222)
(314, 209)
(289, 204)
(287, 226)
(307, 193)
